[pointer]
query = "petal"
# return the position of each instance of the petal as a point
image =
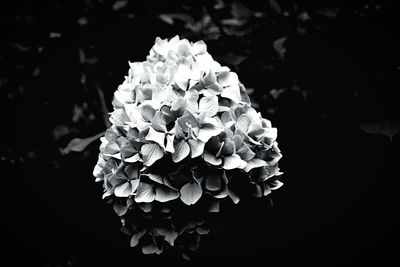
(145, 193)
(228, 148)
(128, 151)
(270, 135)
(182, 150)
(182, 75)
(254, 163)
(213, 160)
(110, 135)
(187, 119)
(191, 193)
(178, 106)
(158, 122)
(243, 94)
(183, 50)
(170, 144)
(256, 190)
(132, 171)
(119, 117)
(205, 61)
(209, 105)
(147, 112)
(118, 178)
(151, 153)
(276, 185)
(146, 207)
(192, 96)
(150, 248)
(161, 46)
(155, 136)
(243, 123)
(226, 117)
(235, 198)
(207, 132)
(233, 162)
(160, 94)
(213, 183)
(164, 194)
(134, 158)
(169, 234)
(155, 177)
(214, 89)
(233, 93)
(228, 78)
(111, 148)
(199, 48)
(214, 206)
(196, 148)
(266, 189)
(119, 209)
(123, 190)
(209, 78)
(245, 152)
(136, 238)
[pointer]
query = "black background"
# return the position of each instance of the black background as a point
(336, 114)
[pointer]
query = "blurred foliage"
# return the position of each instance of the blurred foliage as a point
(61, 60)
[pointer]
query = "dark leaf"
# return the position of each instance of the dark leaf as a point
(79, 144)
(389, 129)
(275, 6)
(279, 47)
(119, 4)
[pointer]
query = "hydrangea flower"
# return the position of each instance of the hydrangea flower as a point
(183, 131)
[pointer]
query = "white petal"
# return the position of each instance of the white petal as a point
(149, 249)
(233, 162)
(196, 147)
(199, 48)
(243, 123)
(155, 136)
(254, 163)
(164, 194)
(205, 61)
(161, 46)
(192, 96)
(145, 193)
(155, 177)
(134, 158)
(136, 238)
(233, 93)
(151, 153)
(276, 185)
(270, 134)
(228, 79)
(233, 196)
(209, 105)
(170, 144)
(123, 190)
(206, 133)
(182, 150)
(212, 159)
(213, 183)
(191, 193)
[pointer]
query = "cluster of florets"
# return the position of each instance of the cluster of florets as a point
(183, 128)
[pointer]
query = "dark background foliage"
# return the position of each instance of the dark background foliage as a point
(325, 74)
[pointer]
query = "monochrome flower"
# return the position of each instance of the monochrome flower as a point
(184, 136)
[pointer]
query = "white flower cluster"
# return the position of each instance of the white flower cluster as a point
(183, 129)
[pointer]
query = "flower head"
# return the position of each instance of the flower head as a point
(183, 131)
